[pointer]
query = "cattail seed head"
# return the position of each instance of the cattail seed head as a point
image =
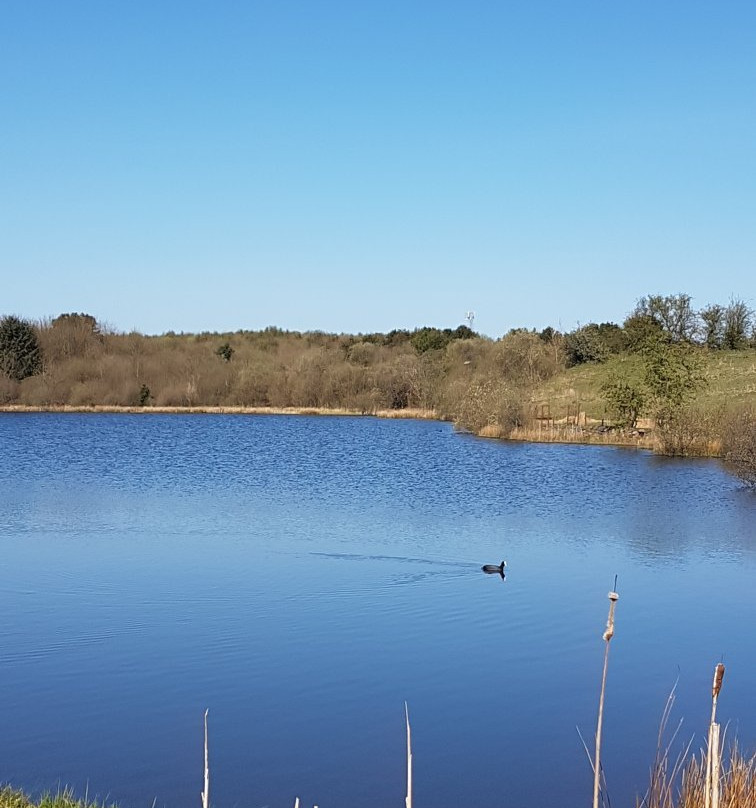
(718, 676)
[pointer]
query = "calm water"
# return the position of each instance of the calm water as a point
(302, 577)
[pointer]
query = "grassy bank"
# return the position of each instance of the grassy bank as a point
(729, 381)
(13, 798)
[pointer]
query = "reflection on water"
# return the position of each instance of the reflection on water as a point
(302, 577)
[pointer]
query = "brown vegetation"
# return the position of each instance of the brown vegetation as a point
(711, 779)
(739, 443)
(472, 380)
(645, 384)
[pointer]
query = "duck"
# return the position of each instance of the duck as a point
(493, 568)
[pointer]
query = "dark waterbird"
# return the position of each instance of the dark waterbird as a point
(490, 569)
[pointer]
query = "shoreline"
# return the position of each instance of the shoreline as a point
(560, 435)
(117, 409)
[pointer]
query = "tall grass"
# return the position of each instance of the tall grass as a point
(707, 779)
(13, 798)
(680, 782)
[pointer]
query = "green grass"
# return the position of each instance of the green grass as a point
(730, 375)
(12, 798)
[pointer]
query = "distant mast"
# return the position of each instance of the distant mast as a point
(470, 317)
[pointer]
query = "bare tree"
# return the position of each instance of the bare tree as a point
(713, 320)
(738, 322)
(673, 312)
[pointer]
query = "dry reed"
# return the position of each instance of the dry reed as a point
(409, 413)
(608, 634)
(408, 798)
(706, 779)
(737, 782)
(569, 433)
(206, 790)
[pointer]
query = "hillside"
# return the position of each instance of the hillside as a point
(730, 382)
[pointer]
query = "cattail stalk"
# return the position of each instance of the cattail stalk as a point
(711, 793)
(715, 766)
(608, 634)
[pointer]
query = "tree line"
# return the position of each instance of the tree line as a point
(718, 327)
(654, 367)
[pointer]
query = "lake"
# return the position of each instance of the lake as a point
(302, 577)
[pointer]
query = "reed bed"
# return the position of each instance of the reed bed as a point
(704, 780)
(166, 410)
(407, 413)
(569, 433)
(681, 782)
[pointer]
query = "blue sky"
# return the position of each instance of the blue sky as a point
(364, 165)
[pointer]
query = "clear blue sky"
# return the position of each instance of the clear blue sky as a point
(362, 165)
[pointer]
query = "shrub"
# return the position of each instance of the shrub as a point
(225, 351)
(640, 330)
(430, 339)
(673, 375)
(739, 444)
(490, 403)
(20, 354)
(593, 343)
(689, 431)
(625, 400)
(523, 358)
(363, 353)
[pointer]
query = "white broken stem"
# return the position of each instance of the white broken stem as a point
(408, 798)
(206, 791)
